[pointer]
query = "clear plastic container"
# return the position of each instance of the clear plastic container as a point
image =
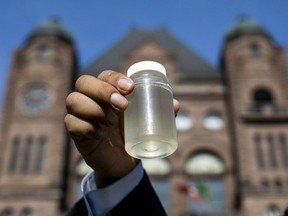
(149, 120)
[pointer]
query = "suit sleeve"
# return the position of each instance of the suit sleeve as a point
(78, 209)
(141, 201)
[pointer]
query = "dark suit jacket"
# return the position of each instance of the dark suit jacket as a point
(142, 201)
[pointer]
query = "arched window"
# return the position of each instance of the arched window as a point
(261, 97)
(80, 171)
(272, 210)
(7, 212)
(204, 163)
(158, 169)
(27, 212)
(183, 121)
(213, 120)
(205, 177)
(14, 154)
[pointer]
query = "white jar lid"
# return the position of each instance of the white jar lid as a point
(146, 65)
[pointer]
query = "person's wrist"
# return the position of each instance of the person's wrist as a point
(121, 169)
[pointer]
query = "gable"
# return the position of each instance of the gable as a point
(190, 66)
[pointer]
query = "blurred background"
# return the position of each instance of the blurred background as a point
(227, 64)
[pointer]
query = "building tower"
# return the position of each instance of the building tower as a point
(33, 138)
(256, 78)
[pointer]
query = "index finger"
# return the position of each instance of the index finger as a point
(121, 82)
(101, 91)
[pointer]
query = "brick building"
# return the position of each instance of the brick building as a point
(232, 126)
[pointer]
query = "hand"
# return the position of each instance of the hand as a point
(95, 123)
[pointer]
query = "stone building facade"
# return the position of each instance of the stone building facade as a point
(232, 158)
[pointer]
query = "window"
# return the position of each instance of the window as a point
(15, 154)
(211, 193)
(42, 142)
(7, 212)
(27, 155)
(284, 150)
(265, 187)
(207, 188)
(258, 152)
(158, 169)
(278, 186)
(273, 210)
(26, 212)
(82, 168)
(261, 98)
(43, 53)
(254, 50)
(183, 121)
(272, 153)
(204, 163)
(157, 166)
(213, 120)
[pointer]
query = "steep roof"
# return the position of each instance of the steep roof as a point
(191, 66)
(246, 26)
(51, 28)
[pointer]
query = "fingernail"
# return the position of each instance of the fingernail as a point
(125, 84)
(119, 101)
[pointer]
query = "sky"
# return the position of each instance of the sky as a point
(97, 25)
